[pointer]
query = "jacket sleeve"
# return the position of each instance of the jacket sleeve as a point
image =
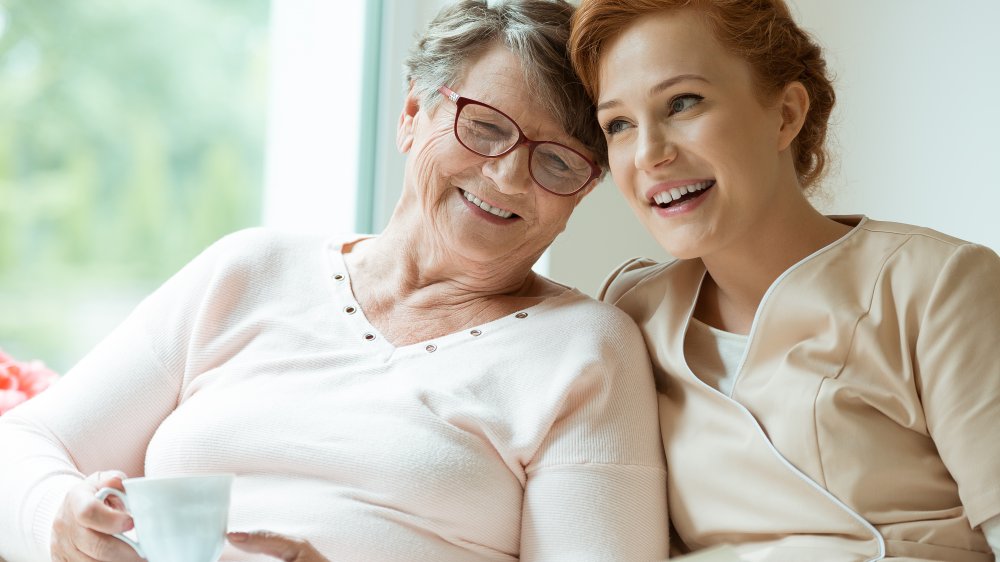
(958, 367)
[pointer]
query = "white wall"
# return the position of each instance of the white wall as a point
(916, 132)
(918, 119)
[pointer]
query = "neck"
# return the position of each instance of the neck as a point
(740, 274)
(402, 261)
(413, 289)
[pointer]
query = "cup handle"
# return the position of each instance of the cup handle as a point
(102, 494)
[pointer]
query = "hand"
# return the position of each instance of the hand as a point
(288, 549)
(84, 524)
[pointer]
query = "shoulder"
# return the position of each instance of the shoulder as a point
(587, 325)
(268, 251)
(598, 315)
(909, 232)
(910, 266)
(245, 263)
(261, 243)
(630, 276)
(917, 248)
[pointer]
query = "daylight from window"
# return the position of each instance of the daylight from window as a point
(132, 135)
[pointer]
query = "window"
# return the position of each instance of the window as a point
(132, 135)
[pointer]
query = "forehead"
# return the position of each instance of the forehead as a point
(497, 78)
(664, 44)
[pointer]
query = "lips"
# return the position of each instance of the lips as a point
(495, 211)
(675, 193)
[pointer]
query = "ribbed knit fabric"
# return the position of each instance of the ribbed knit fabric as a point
(532, 436)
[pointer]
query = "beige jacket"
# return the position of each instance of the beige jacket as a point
(865, 418)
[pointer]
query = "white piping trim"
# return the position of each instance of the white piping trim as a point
(739, 370)
(802, 476)
(795, 470)
(776, 282)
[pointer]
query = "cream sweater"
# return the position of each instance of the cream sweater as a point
(532, 436)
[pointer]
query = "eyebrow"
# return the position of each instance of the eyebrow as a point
(659, 87)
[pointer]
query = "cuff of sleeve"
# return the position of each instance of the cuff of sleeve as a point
(40, 512)
(982, 506)
(991, 528)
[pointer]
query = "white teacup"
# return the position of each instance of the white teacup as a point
(177, 518)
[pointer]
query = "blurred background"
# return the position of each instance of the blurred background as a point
(133, 134)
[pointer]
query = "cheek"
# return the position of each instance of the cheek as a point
(725, 142)
(747, 137)
(621, 161)
(439, 158)
(554, 212)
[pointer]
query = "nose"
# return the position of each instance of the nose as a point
(510, 172)
(653, 149)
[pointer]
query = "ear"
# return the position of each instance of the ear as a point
(794, 105)
(404, 130)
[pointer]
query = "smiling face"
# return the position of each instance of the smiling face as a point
(483, 209)
(701, 161)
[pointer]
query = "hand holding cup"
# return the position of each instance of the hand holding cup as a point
(84, 526)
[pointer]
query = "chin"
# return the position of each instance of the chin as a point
(679, 246)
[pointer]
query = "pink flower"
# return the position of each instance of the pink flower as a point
(20, 381)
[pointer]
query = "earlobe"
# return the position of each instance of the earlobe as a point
(794, 108)
(404, 129)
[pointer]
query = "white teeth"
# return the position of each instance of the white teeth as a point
(502, 213)
(675, 193)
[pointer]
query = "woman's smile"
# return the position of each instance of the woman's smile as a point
(675, 197)
(492, 213)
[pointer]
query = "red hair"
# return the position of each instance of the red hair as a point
(761, 32)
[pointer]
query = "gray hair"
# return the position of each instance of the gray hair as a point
(536, 31)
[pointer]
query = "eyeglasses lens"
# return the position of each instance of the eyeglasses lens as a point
(488, 132)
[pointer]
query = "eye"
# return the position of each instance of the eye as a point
(486, 129)
(615, 126)
(684, 102)
(554, 163)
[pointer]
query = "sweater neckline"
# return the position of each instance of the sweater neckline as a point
(343, 293)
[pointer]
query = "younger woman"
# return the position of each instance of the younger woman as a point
(830, 386)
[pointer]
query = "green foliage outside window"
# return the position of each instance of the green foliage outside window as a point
(131, 137)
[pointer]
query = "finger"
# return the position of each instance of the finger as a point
(98, 546)
(93, 513)
(110, 479)
(107, 479)
(289, 549)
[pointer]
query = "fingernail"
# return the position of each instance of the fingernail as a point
(129, 525)
(238, 537)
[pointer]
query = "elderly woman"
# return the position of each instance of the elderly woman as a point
(831, 385)
(419, 395)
